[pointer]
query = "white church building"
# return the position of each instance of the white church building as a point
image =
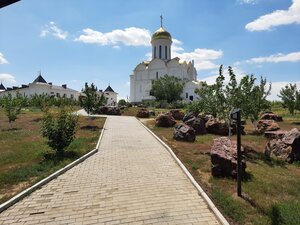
(160, 65)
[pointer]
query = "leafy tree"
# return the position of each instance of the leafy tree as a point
(289, 95)
(122, 102)
(12, 106)
(168, 88)
(218, 99)
(254, 98)
(60, 130)
(91, 100)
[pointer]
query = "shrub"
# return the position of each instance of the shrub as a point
(12, 106)
(60, 130)
(287, 213)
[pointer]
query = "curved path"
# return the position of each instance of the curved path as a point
(133, 179)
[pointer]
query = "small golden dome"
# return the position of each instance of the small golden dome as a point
(161, 33)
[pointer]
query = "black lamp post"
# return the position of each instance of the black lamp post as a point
(236, 115)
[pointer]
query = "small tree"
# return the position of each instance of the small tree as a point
(12, 106)
(60, 130)
(288, 95)
(91, 100)
(167, 88)
(122, 102)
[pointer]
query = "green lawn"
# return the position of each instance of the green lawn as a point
(271, 189)
(23, 149)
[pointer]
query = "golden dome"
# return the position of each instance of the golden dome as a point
(161, 33)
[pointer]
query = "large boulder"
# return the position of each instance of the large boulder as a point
(198, 124)
(188, 116)
(267, 125)
(271, 116)
(143, 113)
(224, 158)
(165, 120)
(286, 148)
(177, 114)
(215, 126)
(183, 132)
(113, 111)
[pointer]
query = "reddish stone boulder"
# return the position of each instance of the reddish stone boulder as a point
(183, 132)
(143, 113)
(224, 158)
(267, 125)
(271, 116)
(286, 148)
(214, 126)
(177, 114)
(198, 124)
(165, 120)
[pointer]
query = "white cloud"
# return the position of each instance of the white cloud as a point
(131, 36)
(127, 84)
(276, 58)
(276, 18)
(276, 87)
(2, 59)
(7, 79)
(54, 30)
(250, 2)
(202, 57)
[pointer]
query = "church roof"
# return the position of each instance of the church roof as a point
(39, 79)
(2, 87)
(109, 89)
(161, 33)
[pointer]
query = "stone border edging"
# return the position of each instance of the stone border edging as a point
(54, 175)
(211, 205)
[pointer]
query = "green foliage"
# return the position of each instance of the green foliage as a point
(287, 213)
(167, 88)
(290, 97)
(218, 99)
(60, 130)
(91, 100)
(44, 101)
(12, 106)
(122, 102)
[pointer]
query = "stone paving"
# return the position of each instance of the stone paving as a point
(131, 180)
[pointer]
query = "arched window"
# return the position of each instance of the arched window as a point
(166, 52)
(160, 51)
(154, 54)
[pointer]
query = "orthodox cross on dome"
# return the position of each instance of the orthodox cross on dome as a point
(161, 19)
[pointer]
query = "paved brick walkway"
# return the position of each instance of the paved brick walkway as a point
(131, 180)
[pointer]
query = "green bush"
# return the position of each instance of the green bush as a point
(60, 130)
(287, 213)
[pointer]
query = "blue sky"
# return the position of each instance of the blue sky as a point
(74, 41)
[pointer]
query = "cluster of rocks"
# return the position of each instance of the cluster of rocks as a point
(224, 158)
(109, 110)
(285, 147)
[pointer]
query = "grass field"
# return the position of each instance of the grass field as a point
(22, 150)
(270, 188)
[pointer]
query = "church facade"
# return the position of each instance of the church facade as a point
(160, 65)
